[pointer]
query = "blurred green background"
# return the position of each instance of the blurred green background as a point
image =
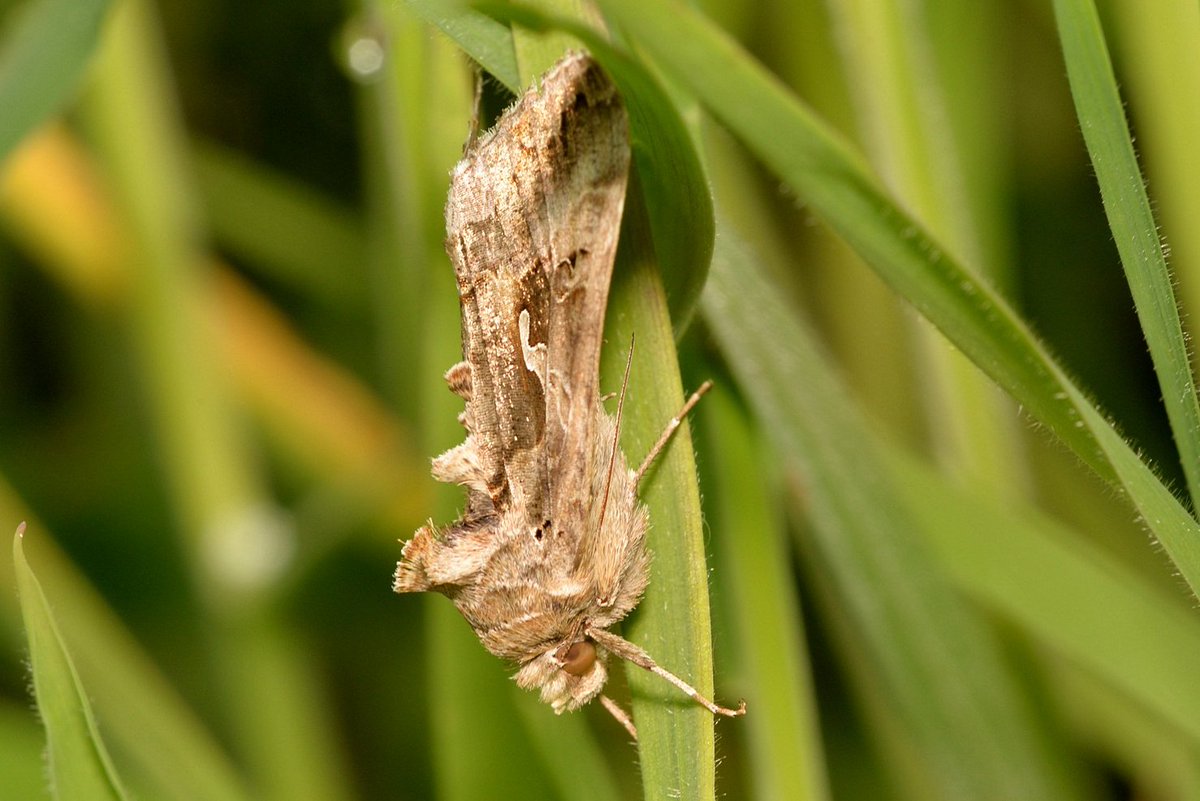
(225, 312)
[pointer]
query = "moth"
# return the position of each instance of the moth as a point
(550, 552)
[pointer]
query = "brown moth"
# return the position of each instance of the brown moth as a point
(550, 551)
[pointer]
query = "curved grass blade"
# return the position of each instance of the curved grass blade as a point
(1110, 145)
(948, 712)
(488, 42)
(164, 751)
(45, 46)
(79, 764)
(1071, 595)
(831, 177)
(675, 189)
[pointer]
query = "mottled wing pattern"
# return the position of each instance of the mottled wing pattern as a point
(533, 418)
(532, 223)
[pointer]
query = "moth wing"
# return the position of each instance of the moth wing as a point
(532, 224)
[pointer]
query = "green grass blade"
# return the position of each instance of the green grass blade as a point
(79, 765)
(488, 42)
(44, 49)
(1079, 600)
(672, 622)
(538, 50)
(767, 642)
(671, 179)
(946, 709)
(1132, 738)
(1106, 132)
(161, 746)
(830, 177)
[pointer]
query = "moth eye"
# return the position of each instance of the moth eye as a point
(538, 533)
(579, 658)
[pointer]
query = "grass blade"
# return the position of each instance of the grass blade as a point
(163, 749)
(489, 43)
(827, 174)
(1068, 593)
(45, 47)
(79, 765)
(274, 701)
(672, 622)
(903, 116)
(947, 711)
(1102, 117)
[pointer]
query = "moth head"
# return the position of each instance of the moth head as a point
(568, 675)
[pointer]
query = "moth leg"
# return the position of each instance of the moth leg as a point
(632, 653)
(621, 715)
(475, 126)
(665, 437)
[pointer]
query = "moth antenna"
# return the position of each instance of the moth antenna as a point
(665, 437)
(632, 653)
(473, 129)
(612, 457)
(621, 715)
